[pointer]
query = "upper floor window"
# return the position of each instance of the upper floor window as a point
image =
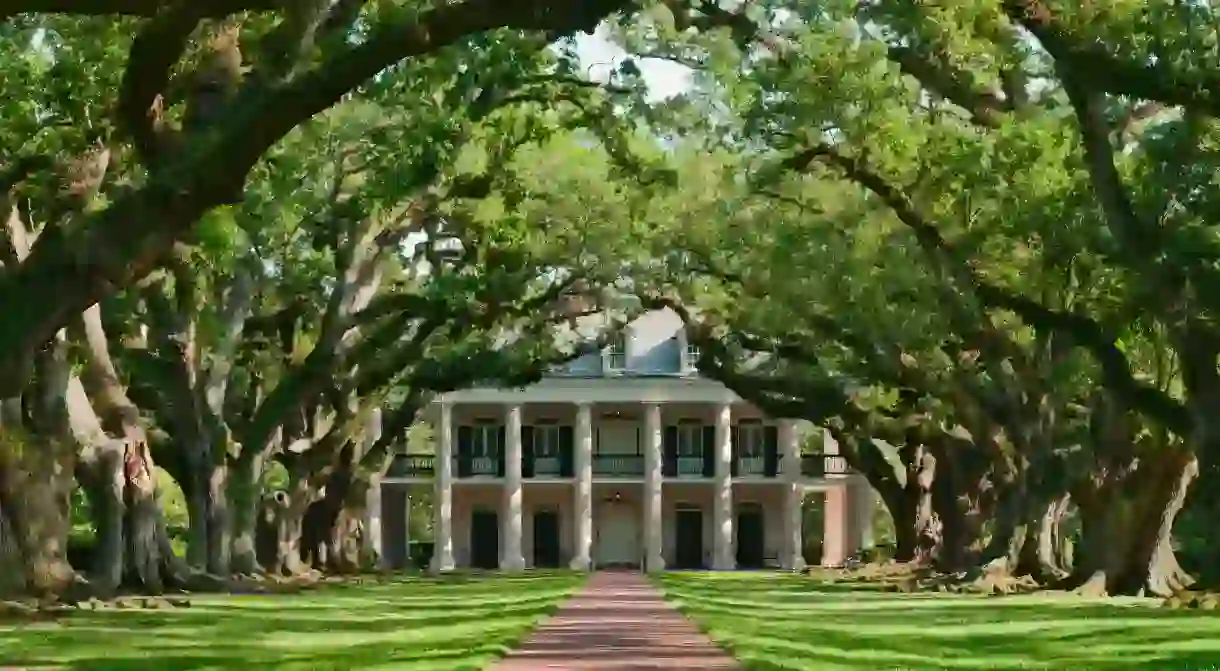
(751, 438)
(546, 440)
(690, 439)
(616, 353)
(485, 439)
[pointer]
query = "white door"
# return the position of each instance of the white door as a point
(617, 536)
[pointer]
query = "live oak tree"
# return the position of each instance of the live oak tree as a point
(1026, 147)
(238, 98)
(188, 384)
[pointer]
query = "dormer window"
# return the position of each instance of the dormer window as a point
(615, 357)
(691, 362)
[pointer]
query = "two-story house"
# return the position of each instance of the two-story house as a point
(625, 457)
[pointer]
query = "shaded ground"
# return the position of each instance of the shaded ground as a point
(617, 622)
(456, 622)
(779, 621)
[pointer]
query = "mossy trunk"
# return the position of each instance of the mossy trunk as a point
(101, 476)
(281, 528)
(133, 546)
(1127, 521)
(36, 485)
(1047, 552)
(219, 520)
(244, 502)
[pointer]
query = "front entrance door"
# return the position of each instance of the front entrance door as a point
(546, 539)
(688, 538)
(750, 539)
(617, 536)
(484, 539)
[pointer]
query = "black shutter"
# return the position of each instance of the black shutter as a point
(735, 450)
(669, 451)
(770, 451)
(707, 447)
(639, 451)
(567, 443)
(498, 454)
(527, 451)
(465, 443)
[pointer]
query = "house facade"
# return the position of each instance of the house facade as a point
(622, 458)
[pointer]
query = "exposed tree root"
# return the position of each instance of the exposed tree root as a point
(916, 577)
(1193, 600)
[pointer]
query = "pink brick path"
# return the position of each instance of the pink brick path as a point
(617, 622)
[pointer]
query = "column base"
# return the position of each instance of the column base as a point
(796, 565)
(512, 564)
(581, 564)
(442, 565)
(654, 564)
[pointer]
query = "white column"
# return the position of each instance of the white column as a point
(723, 558)
(582, 532)
(406, 527)
(442, 504)
(836, 515)
(372, 524)
(372, 497)
(512, 560)
(792, 557)
(653, 560)
(862, 513)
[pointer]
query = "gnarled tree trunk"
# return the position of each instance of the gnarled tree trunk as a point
(1127, 520)
(281, 528)
(1046, 553)
(244, 502)
(35, 499)
(133, 545)
(937, 514)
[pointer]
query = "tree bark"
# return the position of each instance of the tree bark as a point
(35, 497)
(100, 473)
(916, 533)
(1046, 552)
(219, 517)
(133, 546)
(1127, 521)
(281, 529)
(244, 499)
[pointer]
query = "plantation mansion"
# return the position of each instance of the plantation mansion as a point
(621, 458)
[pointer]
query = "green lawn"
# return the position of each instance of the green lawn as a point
(414, 623)
(772, 622)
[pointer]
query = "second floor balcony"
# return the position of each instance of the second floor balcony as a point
(625, 466)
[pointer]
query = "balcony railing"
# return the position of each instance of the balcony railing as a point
(753, 466)
(821, 465)
(618, 465)
(689, 467)
(412, 466)
(467, 466)
(606, 465)
(547, 467)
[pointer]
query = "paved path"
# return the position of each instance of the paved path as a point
(617, 622)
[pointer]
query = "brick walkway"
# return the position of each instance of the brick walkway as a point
(617, 622)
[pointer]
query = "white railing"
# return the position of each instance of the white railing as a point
(484, 466)
(546, 466)
(752, 466)
(690, 465)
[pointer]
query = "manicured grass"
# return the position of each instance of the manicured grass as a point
(456, 622)
(774, 621)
